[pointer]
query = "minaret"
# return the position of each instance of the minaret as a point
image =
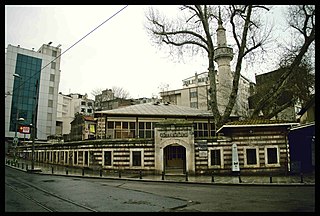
(223, 56)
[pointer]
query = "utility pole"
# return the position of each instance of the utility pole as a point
(34, 125)
(16, 139)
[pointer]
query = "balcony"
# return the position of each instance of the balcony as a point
(223, 52)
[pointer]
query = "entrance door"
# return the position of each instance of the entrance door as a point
(175, 159)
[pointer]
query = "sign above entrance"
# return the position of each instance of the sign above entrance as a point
(173, 134)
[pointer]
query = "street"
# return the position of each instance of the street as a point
(31, 192)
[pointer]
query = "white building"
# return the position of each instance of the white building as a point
(68, 106)
(25, 68)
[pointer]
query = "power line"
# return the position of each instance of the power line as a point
(24, 81)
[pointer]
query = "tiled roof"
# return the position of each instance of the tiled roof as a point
(257, 121)
(88, 118)
(154, 109)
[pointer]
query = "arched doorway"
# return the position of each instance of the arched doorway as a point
(174, 159)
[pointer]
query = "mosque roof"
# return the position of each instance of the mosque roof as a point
(157, 109)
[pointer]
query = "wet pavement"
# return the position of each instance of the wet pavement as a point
(51, 169)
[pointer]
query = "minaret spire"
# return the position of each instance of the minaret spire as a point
(223, 56)
(220, 20)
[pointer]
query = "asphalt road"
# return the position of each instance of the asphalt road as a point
(31, 192)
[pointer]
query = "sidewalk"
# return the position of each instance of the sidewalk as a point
(50, 169)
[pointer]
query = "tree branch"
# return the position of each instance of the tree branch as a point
(184, 43)
(182, 32)
(278, 110)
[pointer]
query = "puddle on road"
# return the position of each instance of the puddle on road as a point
(49, 180)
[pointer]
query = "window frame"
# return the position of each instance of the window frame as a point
(266, 156)
(103, 158)
(54, 53)
(245, 164)
(221, 166)
(52, 77)
(50, 103)
(141, 158)
(53, 65)
(75, 158)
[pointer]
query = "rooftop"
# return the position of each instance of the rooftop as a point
(157, 109)
(257, 123)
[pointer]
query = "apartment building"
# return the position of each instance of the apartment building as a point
(68, 106)
(31, 85)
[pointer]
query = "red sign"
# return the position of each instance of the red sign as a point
(24, 129)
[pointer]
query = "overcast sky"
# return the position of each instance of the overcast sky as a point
(119, 53)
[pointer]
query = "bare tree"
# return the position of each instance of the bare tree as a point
(101, 96)
(193, 33)
(96, 91)
(97, 94)
(302, 19)
(120, 92)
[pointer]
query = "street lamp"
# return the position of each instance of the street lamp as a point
(32, 150)
(15, 139)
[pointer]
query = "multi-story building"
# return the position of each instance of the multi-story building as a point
(68, 106)
(264, 83)
(195, 91)
(108, 101)
(195, 94)
(31, 85)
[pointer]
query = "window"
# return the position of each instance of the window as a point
(201, 129)
(51, 90)
(212, 129)
(52, 77)
(193, 94)
(141, 130)
(124, 125)
(49, 116)
(194, 104)
(215, 157)
(107, 158)
(89, 110)
(89, 103)
(75, 159)
(110, 125)
(83, 103)
(132, 126)
(251, 156)
(83, 110)
(120, 130)
(65, 157)
(136, 158)
(50, 103)
(53, 65)
(86, 158)
(54, 53)
(149, 130)
(272, 155)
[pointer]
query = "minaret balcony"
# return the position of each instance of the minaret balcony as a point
(222, 52)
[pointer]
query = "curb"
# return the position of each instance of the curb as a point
(39, 172)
